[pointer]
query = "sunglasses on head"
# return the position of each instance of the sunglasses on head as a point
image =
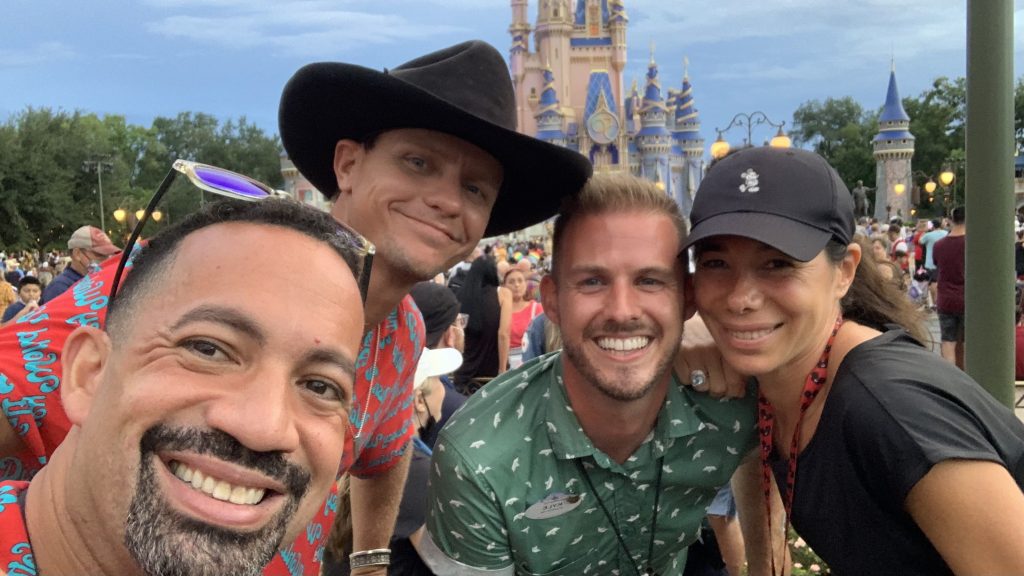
(240, 187)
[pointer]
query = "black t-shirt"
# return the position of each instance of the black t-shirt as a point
(894, 411)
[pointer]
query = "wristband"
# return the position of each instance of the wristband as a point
(378, 557)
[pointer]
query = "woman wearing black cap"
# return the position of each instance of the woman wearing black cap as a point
(890, 461)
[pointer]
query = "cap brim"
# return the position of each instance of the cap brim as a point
(797, 240)
(331, 101)
(435, 363)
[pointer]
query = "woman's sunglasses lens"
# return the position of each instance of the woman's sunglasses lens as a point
(229, 181)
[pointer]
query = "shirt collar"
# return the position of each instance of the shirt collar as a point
(678, 418)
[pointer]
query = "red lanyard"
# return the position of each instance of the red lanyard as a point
(765, 424)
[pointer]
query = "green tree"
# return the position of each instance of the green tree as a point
(841, 131)
(237, 146)
(937, 120)
(47, 189)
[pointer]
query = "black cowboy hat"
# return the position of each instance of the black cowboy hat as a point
(464, 90)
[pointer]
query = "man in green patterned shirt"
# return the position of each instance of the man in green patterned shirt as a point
(593, 460)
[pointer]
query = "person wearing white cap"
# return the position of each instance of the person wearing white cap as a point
(89, 246)
(428, 396)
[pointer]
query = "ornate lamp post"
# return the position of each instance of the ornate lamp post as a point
(719, 148)
(99, 165)
(948, 179)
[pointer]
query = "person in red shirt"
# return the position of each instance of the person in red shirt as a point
(949, 260)
(524, 310)
(207, 423)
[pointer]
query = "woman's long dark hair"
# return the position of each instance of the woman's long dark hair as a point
(874, 301)
(483, 272)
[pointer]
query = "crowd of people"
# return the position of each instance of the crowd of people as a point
(926, 263)
(562, 408)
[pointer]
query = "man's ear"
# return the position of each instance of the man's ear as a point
(689, 297)
(549, 298)
(85, 355)
(346, 155)
(450, 337)
(419, 403)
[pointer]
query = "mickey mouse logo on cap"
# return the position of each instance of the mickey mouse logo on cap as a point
(750, 182)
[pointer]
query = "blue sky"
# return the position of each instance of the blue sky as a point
(230, 58)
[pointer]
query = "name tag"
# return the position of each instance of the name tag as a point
(554, 504)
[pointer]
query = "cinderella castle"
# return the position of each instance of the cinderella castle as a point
(570, 91)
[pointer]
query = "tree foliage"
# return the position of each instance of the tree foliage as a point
(841, 131)
(49, 160)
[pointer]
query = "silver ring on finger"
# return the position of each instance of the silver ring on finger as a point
(698, 379)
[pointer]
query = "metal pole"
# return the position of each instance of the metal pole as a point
(989, 196)
(99, 179)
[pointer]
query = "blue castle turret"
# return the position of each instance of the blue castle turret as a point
(689, 143)
(550, 117)
(653, 140)
(893, 151)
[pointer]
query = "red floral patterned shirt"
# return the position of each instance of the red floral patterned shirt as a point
(30, 372)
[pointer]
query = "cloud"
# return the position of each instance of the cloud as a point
(309, 28)
(844, 31)
(43, 53)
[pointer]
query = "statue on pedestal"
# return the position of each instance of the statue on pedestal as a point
(861, 204)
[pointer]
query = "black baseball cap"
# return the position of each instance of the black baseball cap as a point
(439, 307)
(787, 198)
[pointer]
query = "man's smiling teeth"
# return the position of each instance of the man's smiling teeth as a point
(623, 344)
(219, 489)
(752, 334)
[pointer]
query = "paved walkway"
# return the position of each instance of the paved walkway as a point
(933, 326)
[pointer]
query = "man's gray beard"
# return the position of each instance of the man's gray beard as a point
(165, 543)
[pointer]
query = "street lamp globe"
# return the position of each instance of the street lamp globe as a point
(929, 186)
(946, 177)
(120, 214)
(139, 214)
(780, 140)
(719, 148)
(157, 215)
(899, 188)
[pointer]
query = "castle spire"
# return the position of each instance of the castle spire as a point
(893, 110)
(686, 133)
(893, 151)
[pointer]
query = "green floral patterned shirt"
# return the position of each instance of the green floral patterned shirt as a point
(508, 495)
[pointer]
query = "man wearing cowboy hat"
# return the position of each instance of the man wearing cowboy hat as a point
(417, 159)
